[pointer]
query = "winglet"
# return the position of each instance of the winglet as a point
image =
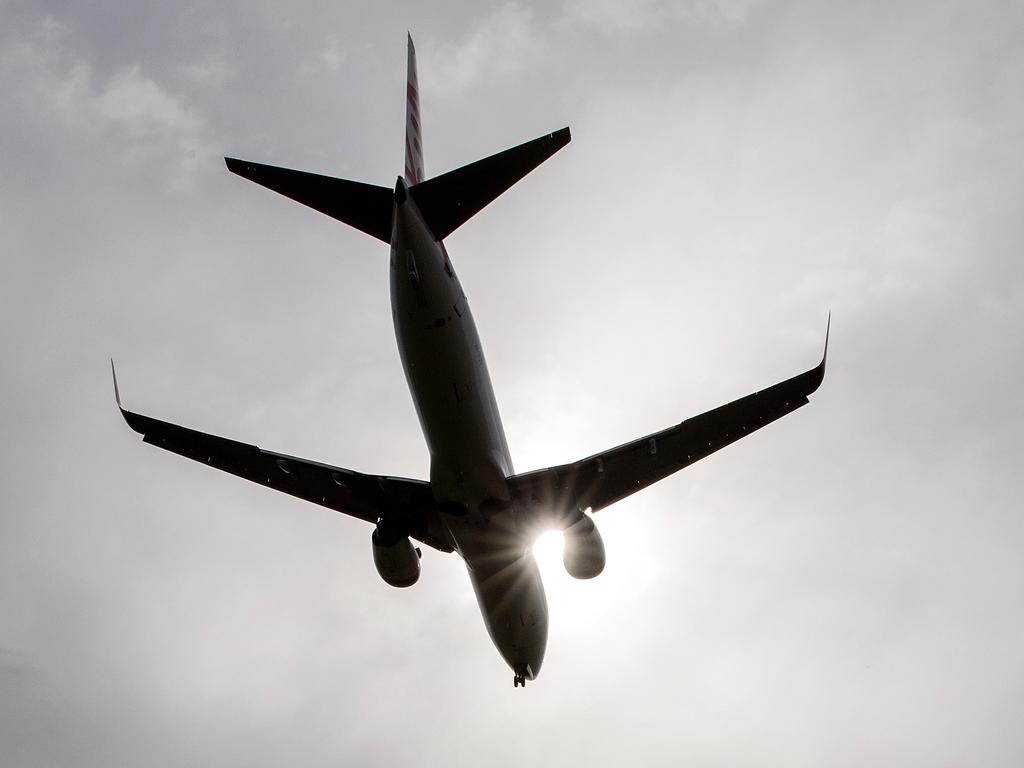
(133, 420)
(816, 375)
(117, 392)
(828, 325)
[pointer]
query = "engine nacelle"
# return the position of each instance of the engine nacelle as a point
(583, 554)
(398, 562)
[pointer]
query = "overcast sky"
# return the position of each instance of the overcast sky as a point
(844, 588)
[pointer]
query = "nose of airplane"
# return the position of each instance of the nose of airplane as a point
(401, 191)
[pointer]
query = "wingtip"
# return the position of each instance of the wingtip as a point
(817, 374)
(133, 420)
(828, 327)
(562, 136)
(244, 168)
(117, 392)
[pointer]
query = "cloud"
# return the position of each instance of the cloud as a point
(134, 116)
(500, 43)
(140, 110)
(333, 55)
(211, 72)
(617, 17)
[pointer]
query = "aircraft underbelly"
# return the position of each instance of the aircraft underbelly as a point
(445, 369)
(469, 458)
(457, 410)
(514, 607)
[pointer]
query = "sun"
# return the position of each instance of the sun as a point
(571, 600)
(548, 551)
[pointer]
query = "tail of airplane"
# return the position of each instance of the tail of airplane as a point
(446, 202)
(413, 133)
(450, 200)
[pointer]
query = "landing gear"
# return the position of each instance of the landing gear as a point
(521, 671)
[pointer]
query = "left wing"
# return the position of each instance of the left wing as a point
(607, 477)
(408, 505)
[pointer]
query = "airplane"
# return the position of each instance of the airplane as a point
(474, 503)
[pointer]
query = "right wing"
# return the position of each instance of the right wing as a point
(406, 505)
(607, 477)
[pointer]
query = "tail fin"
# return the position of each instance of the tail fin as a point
(413, 133)
(446, 202)
(450, 200)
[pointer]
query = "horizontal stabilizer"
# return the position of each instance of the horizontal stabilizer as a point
(449, 201)
(366, 207)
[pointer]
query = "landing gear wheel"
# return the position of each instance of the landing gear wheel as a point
(519, 680)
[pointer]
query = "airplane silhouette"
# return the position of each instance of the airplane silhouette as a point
(474, 503)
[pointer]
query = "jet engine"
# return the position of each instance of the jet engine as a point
(583, 554)
(397, 560)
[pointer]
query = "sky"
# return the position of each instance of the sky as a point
(843, 588)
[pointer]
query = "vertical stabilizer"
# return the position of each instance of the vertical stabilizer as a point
(413, 136)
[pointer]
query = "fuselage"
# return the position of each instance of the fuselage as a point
(469, 458)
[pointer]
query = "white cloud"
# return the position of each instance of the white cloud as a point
(332, 56)
(613, 17)
(141, 109)
(128, 110)
(501, 43)
(211, 72)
